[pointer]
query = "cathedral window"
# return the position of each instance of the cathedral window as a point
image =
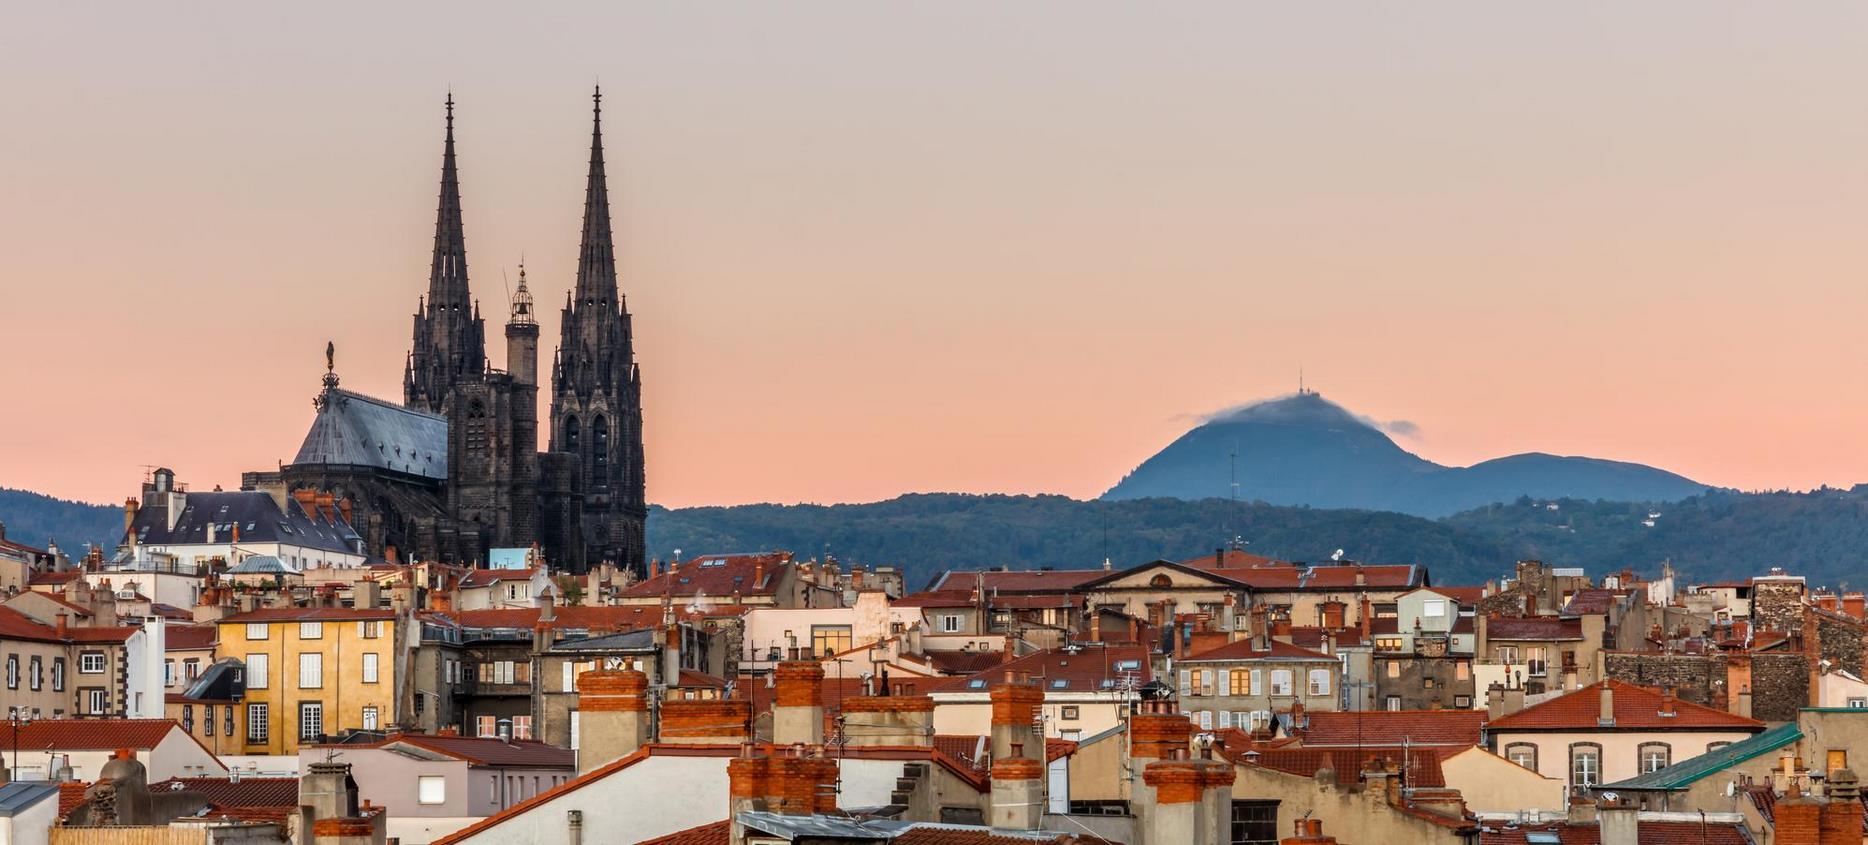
(570, 434)
(476, 427)
(600, 453)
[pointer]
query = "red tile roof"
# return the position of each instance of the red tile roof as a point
(190, 637)
(15, 625)
(1463, 595)
(718, 576)
(248, 792)
(1233, 559)
(1592, 601)
(1085, 671)
(488, 577)
(711, 833)
(488, 751)
(1312, 637)
(1533, 628)
(1245, 650)
(1422, 767)
(101, 634)
(66, 577)
(1444, 728)
(1018, 581)
(78, 609)
(310, 614)
(88, 734)
(1648, 832)
(1636, 708)
(964, 662)
(1326, 577)
(619, 617)
(936, 598)
(962, 747)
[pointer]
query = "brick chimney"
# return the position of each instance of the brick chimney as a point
(1799, 820)
(614, 708)
(1667, 703)
(1015, 705)
(1017, 793)
(1307, 832)
(1158, 735)
(1842, 816)
(704, 721)
(798, 703)
(1605, 715)
(778, 782)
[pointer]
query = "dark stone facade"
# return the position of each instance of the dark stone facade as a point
(1779, 681)
(1777, 604)
(1422, 683)
(1842, 641)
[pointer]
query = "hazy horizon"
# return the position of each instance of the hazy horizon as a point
(879, 249)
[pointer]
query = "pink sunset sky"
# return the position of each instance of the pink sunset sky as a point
(879, 248)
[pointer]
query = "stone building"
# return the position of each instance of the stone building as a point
(455, 470)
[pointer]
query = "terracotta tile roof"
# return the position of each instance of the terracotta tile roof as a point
(1232, 559)
(309, 614)
(103, 634)
(577, 617)
(190, 637)
(1533, 628)
(1018, 581)
(1031, 602)
(719, 576)
(488, 577)
(15, 625)
(43, 578)
(1463, 595)
(1648, 832)
(1245, 650)
(711, 833)
(1311, 637)
(248, 792)
(1088, 670)
(1597, 600)
(691, 678)
(964, 662)
(1326, 577)
(936, 598)
(962, 747)
(1422, 766)
(1636, 708)
(88, 734)
(1444, 728)
(483, 751)
(169, 611)
(70, 795)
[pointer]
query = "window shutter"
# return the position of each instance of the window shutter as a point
(1186, 682)
(1225, 719)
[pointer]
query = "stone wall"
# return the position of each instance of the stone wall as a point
(1842, 642)
(1780, 685)
(1691, 675)
(1777, 605)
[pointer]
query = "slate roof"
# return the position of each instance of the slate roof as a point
(1693, 769)
(964, 662)
(262, 565)
(639, 640)
(1422, 765)
(936, 598)
(1636, 708)
(189, 637)
(1327, 577)
(1595, 600)
(260, 518)
(1449, 728)
(357, 430)
(19, 795)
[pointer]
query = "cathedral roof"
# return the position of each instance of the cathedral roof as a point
(357, 430)
(211, 518)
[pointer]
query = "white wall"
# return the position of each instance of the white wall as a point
(423, 831)
(31, 826)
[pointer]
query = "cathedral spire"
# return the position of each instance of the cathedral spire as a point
(596, 259)
(447, 277)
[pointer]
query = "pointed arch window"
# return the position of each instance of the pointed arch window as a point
(570, 434)
(600, 453)
(476, 427)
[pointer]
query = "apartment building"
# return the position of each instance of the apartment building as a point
(313, 672)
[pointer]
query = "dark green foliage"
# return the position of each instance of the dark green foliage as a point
(33, 519)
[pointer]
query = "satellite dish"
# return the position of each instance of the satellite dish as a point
(1731, 788)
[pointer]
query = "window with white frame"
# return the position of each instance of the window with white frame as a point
(1319, 682)
(168, 673)
(256, 724)
(1654, 756)
(256, 630)
(256, 671)
(1585, 764)
(91, 663)
(58, 674)
(486, 726)
(431, 789)
(369, 667)
(310, 670)
(96, 702)
(1523, 754)
(369, 718)
(1505, 653)
(522, 727)
(369, 629)
(950, 623)
(35, 675)
(12, 671)
(310, 720)
(1280, 682)
(1535, 664)
(311, 630)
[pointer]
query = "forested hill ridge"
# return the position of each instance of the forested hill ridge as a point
(34, 519)
(1822, 534)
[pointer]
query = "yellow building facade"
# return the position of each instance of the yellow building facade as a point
(312, 672)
